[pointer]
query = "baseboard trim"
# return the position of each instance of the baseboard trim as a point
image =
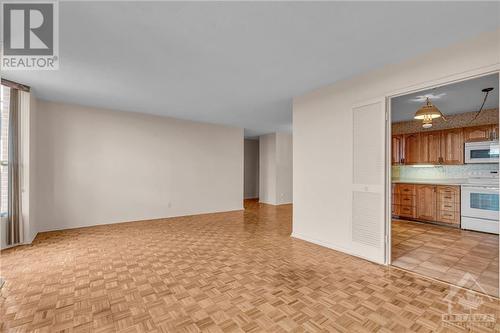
(145, 219)
(32, 239)
(331, 246)
(19, 244)
(276, 204)
(11, 246)
(321, 243)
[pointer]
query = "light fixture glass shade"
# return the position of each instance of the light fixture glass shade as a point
(427, 124)
(428, 111)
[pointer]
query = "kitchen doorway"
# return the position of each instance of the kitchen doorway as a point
(443, 183)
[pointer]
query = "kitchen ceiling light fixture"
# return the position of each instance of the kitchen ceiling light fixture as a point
(427, 113)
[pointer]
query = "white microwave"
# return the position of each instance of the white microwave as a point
(481, 152)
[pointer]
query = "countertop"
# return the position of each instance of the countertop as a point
(449, 181)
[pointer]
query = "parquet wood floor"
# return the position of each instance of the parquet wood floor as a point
(227, 272)
(446, 253)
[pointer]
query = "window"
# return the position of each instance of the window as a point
(4, 148)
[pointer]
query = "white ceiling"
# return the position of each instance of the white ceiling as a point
(237, 63)
(451, 99)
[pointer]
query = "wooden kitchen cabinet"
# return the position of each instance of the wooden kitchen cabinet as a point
(494, 132)
(438, 147)
(405, 189)
(397, 148)
(452, 146)
(426, 202)
(395, 210)
(403, 200)
(448, 193)
(448, 205)
(480, 133)
(430, 148)
(395, 201)
(449, 217)
(407, 211)
(433, 147)
(412, 148)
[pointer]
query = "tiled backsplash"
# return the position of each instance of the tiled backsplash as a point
(440, 171)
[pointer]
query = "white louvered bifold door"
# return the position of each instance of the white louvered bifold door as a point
(368, 204)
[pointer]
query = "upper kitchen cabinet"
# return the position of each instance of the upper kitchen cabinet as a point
(494, 132)
(452, 146)
(481, 133)
(477, 133)
(411, 148)
(430, 148)
(397, 149)
(438, 147)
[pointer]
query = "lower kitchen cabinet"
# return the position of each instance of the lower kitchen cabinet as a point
(403, 202)
(448, 205)
(448, 217)
(426, 202)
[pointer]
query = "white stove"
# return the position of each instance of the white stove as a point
(480, 202)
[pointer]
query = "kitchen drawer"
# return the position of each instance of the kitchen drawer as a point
(449, 198)
(448, 217)
(448, 193)
(395, 210)
(405, 189)
(407, 211)
(396, 199)
(407, 200)
(448, 206)
(448, 189)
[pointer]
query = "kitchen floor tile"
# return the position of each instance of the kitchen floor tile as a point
(447, 254)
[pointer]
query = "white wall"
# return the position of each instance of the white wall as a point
(322, 130)
(251, 169)
(284, 168)
(267, 169)
(276, 169)
(98, 166)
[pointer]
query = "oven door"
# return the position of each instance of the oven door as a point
(480, 202)
(482, 152)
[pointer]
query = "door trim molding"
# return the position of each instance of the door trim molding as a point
(446, 80)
